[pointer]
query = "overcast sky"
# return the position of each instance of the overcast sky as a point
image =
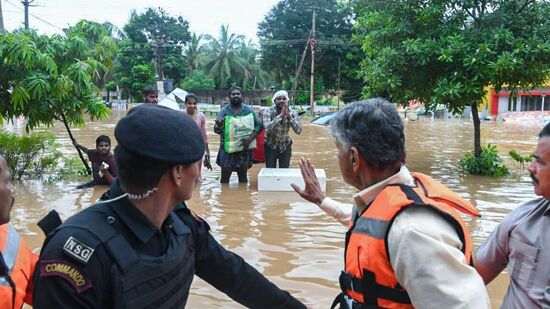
(204, 16)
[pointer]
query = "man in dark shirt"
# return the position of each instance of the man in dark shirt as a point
(239, 161)
(103, 162)
(142, 248)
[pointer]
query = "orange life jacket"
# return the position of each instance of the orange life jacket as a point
(17, 269)
(369, 280)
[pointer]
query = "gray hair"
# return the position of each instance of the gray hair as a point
(545, 131)
(373, 126)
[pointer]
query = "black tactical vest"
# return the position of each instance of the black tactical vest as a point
(141, 281)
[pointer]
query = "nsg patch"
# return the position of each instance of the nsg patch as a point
(78, 250)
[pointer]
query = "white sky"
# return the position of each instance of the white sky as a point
(204, 16)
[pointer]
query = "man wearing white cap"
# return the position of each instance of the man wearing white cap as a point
(277, 122)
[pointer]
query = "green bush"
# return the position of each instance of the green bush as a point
(302, 98)
(327, 101)
(489, 163)
(36, 155)
(198, 80)
(520, 159)
(30, 154)
(72, 166)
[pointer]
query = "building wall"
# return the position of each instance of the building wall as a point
(256, 97)
(503, 104)
(498, 102)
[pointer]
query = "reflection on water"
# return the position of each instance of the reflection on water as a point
(292, 242)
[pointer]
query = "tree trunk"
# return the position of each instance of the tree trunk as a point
(477, 130)
(88, 169)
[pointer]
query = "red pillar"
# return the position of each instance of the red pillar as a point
(494, 104)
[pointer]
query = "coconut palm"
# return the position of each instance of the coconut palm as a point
(194, 53)
(252, 77)
(223, 64)
(114, 31)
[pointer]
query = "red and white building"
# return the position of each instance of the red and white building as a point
(534, 100)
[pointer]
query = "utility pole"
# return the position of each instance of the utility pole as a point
(159, 45)
(1, 19)
(26, 4)
(338, 94)
(295, 84)
(312, 43)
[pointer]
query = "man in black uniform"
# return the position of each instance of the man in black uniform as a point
(142, 248)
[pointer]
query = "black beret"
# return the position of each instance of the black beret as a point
(160, 133)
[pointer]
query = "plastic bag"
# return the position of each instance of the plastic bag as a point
(237, 128)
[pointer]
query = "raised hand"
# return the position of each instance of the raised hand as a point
(312, 191)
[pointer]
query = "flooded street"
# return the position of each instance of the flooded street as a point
(291, 241)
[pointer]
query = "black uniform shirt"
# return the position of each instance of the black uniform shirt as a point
(63, 281)
(222, 269)
(141, 233)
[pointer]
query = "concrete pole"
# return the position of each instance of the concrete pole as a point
(26, 4)
(1, 19)
(312, 85)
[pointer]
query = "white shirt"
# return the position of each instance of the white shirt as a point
(425, 252)
(520, 243)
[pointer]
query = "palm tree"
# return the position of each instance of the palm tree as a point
(222, 63)
(118, 36)
(114, 31)
(252, 76)
(194, 52)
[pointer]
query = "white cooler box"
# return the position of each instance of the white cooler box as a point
(279, 179)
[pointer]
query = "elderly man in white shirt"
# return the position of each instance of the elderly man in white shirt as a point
(406, 245)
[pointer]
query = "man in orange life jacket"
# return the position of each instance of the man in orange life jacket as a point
(406, 245)
(16, 259)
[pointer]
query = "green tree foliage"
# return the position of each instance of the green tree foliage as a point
(101, 46)
(155, 25)
(446, 52)
(134, 69)
(153, 39)
(284, 33)
(110, 86)
(51, 78)
(198, 80)
(222, 62)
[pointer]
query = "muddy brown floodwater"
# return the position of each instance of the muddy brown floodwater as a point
(291, 241)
